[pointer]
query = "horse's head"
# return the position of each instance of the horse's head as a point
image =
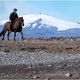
(21, 20)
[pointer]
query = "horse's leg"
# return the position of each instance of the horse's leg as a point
(8, 34)
(22, 35)
(14, 35)
(3, 36)
(2, 33)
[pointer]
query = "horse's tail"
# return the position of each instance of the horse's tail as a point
(2, 32)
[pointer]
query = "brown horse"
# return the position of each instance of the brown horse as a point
(16, 28)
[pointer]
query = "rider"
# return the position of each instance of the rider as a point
(13, 16)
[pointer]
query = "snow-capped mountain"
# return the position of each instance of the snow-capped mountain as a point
(39, 29)
(47, 26)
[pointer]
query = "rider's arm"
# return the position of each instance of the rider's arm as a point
(17, 15)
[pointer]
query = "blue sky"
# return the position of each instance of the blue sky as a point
(61, 9)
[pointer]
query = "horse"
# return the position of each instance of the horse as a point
(17, 27)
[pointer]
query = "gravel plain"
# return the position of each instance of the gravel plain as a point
(40, 59)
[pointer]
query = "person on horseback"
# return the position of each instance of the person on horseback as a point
(13, 16)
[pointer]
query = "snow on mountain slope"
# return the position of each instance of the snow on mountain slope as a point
(51, 21)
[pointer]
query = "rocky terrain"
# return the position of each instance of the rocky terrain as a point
(40, 59)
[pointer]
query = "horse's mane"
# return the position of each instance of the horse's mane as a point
(20, 18)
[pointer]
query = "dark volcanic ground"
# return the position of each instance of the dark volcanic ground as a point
(57, 58)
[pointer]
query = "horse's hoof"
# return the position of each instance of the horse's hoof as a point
(22, 38)
(2, 39)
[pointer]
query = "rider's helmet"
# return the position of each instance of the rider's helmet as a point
(14, 9)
